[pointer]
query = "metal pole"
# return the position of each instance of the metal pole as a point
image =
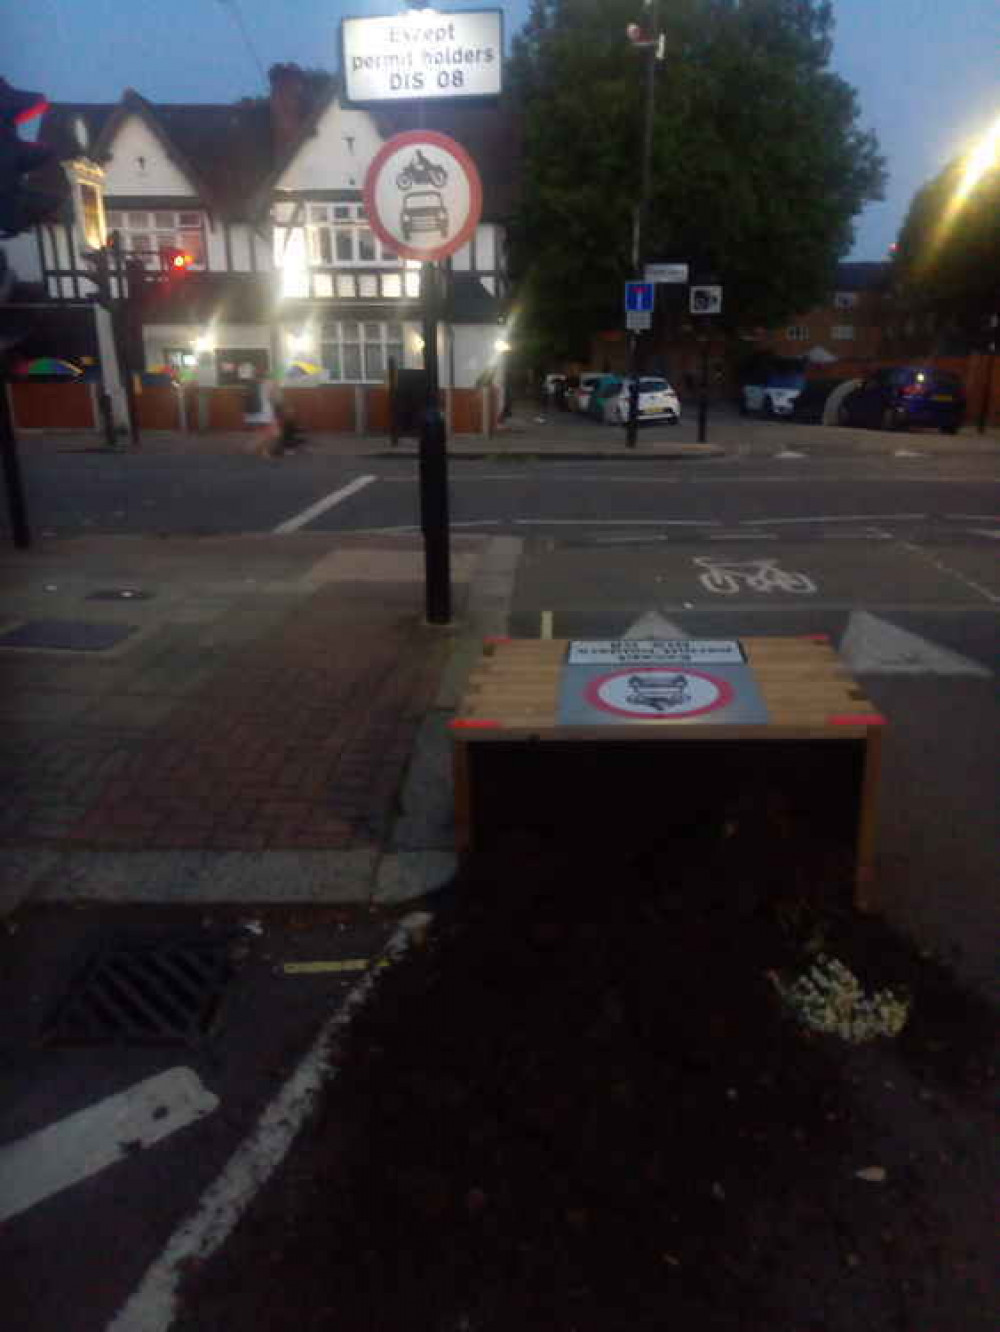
(434, 465)
(703, 391)
(639, 228)
(13, 484)
(121, 339)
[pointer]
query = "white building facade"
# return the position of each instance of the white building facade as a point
(285, 279)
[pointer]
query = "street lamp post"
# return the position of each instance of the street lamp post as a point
(649, 39)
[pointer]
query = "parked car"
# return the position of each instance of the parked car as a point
(810, 403)
(608, 386)
(898, 397)
(657, 402)
(774, 396)
(579, 398)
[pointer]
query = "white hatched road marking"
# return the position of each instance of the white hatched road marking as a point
(321, 506)
(87, 1142)
(954, 573)
(873, 646)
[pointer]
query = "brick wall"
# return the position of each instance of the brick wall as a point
(159, 407)
(330, 407)
(52, 406)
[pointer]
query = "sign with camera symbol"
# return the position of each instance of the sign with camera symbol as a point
(706, 300)
(423, 195)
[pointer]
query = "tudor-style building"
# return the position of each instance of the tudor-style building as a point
(265, 196)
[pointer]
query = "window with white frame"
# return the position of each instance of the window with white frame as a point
(355, 352)
(845, 300)
(147, 233)
(797, 333)
(340, 237)
(842, 332)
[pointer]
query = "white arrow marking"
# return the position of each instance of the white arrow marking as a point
(81, 1145)
(873, 646)
(654, 625)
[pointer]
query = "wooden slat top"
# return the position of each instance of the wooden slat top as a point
(514, 690)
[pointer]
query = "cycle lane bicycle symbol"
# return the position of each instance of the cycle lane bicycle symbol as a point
(727, 577)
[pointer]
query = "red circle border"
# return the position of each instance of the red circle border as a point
(593, 697)
(456, 150)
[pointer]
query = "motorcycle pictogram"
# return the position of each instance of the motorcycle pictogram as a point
(422, 171)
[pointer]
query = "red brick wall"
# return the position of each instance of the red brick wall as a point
(159, 407)
(466, 411)
(52, 406)
(377, 410)
(225, 407)
(328, 408)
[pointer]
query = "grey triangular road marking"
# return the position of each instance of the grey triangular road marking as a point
(654, 625)
(873, 646)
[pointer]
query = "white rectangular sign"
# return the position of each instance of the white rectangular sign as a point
(655, 652)
(666, 273)
(423, 53)
(706, 300)
(637, 321)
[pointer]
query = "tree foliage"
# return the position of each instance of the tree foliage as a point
(947, 258)
(758, 164)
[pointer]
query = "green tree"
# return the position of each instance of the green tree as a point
(758, 166)
(947, 259)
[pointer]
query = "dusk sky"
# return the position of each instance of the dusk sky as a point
(928, 75)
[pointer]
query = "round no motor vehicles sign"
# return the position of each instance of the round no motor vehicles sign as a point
(423, 195)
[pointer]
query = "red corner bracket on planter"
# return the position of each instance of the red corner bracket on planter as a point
(856, 719)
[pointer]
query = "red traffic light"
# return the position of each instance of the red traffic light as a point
(175, 261)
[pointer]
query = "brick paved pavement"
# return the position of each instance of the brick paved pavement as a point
(277, 715)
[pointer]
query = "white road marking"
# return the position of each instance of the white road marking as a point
(654, 625)
(873, 646)
(908, 453)
(546, 627)
(725, 576)
(790, 453)
(743, 536)
(946, 568)
(974, 517)
(87, 1142)
(322, 506)
(992, 532)
(836, 518)
(153, 1306)
(615, 522)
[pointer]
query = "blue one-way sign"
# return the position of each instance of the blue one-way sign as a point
(639, 296)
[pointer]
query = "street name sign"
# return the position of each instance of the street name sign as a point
(423, 195)
(422, 54)
(666, 273)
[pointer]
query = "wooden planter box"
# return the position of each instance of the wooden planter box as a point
(518, 767)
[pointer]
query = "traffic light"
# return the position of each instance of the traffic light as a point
(175, 261)
(20, 207)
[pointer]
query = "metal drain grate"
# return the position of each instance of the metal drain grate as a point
(165, 993)
(66, 636)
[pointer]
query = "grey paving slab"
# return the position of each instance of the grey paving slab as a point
(177, 877)
(404, 876)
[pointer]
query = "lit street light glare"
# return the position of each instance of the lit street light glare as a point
(984, 157)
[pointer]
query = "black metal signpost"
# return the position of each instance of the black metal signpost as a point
(434, 463)
(13, 484)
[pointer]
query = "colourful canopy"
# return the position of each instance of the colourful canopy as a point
(51, 365)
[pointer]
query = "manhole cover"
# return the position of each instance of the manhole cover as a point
(164, 993)
(120, 594)
(66, 635)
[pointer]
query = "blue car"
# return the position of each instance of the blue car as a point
(898, 397)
